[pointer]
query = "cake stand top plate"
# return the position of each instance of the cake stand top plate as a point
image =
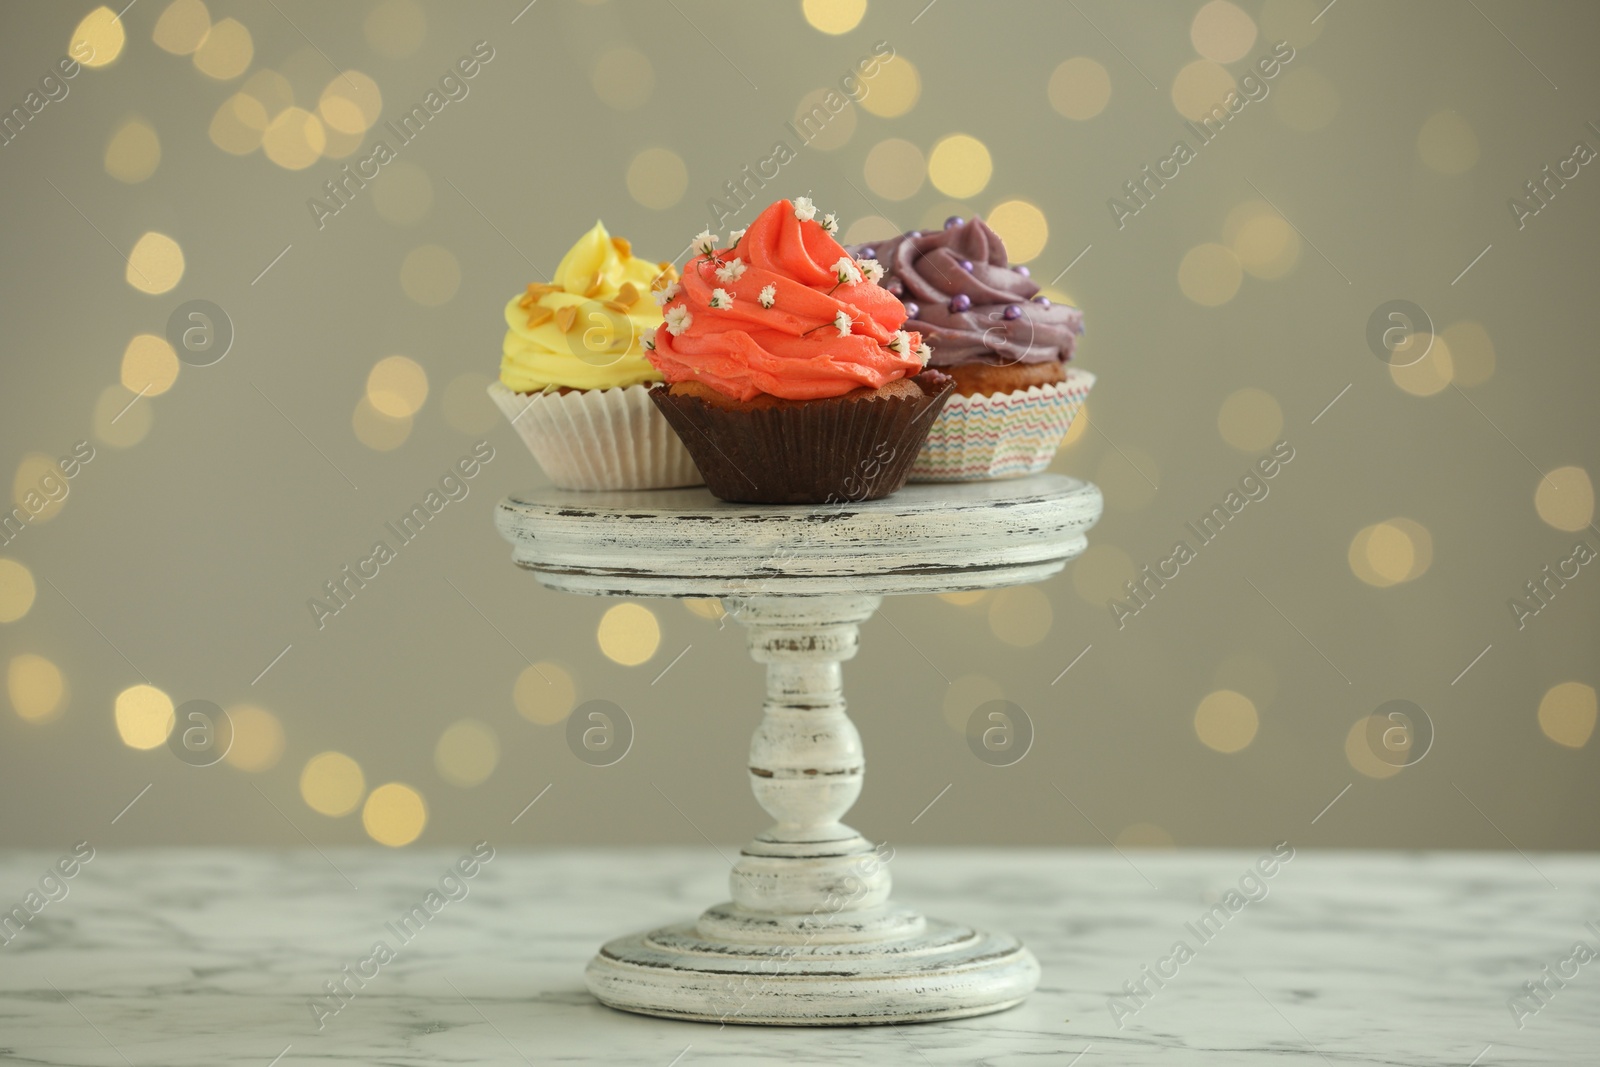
(927, 538)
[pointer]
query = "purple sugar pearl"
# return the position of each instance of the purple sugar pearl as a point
(960, 302)
(1022, 271)
(953, 221)
(1042, 301)
(966, 265)
(1013, 311)
(912, 308)
(869, 253)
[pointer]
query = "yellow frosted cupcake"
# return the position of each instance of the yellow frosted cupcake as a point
(574, 379)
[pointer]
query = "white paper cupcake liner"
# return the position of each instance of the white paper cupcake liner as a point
(1001, 435)
(599, 438)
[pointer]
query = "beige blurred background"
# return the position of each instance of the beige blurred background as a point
(1224, 316)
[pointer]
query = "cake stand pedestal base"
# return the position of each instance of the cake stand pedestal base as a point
(810, 936)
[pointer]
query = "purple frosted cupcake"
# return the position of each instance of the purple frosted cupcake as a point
(1006, 346)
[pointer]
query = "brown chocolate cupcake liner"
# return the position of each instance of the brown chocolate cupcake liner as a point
(833, 451)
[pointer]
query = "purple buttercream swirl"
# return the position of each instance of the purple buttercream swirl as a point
(970, 306)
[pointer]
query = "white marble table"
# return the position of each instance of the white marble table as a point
(209, 957)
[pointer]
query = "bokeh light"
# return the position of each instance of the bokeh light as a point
(155, 265)
(394, 814)
(657, 178)
(238, 125)
(1471, 352)
(544, 693)
(397, 386)
(823, 127)
(257, 739)
(134, 152)
(1267, 246)
(466, 753)
(17, 590)
(1564, 499)
(1144, 835)
(1020, 616)
(36, 488)
(226, 51)
(1250, 419)
(1428, 375)
(1222, 32)
(37, 689)
(144, 716)
(895, 169)
(623, 78)
(430, 275)
(834, 16)
(628, 634)
(1200, 87)
(893, 90)
(869, 228)
(1226, 721)
(1209, 274)
(121, 418)
(1567, 714)
(1388, 553)
(332, 784)
(1079, 88)
(182, 27)
(351, 103)
(1446, 143)
(1023, 228)
(960, 166)
(149, 365)
(294, 139)
(704, 607)
(1358, 748)
(98, 38)
(379, 432)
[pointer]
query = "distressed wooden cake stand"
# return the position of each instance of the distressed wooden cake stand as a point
(810, 936)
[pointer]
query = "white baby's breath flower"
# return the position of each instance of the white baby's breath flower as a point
(804, 209)
(871, 270)
(924, 353)
(735, 236)
(705, 242)
(666, 293)
(730, 271)
(830, 222)
(842, 321)
(768, 297)
(648, 342)
(721, 299)
(678, 320)
(900, 343)
(845, 270)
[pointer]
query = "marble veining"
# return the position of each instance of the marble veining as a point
(191, 956)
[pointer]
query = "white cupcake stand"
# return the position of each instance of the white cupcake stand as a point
(810, 936)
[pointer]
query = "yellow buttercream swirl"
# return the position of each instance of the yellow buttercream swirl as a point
(597, 344)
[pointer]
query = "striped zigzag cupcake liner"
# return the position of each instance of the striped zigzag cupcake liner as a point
(1003, 435)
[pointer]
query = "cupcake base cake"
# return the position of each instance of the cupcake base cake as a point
(790, 379)
(598, 438)
(767, 450)
(1001, 435)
